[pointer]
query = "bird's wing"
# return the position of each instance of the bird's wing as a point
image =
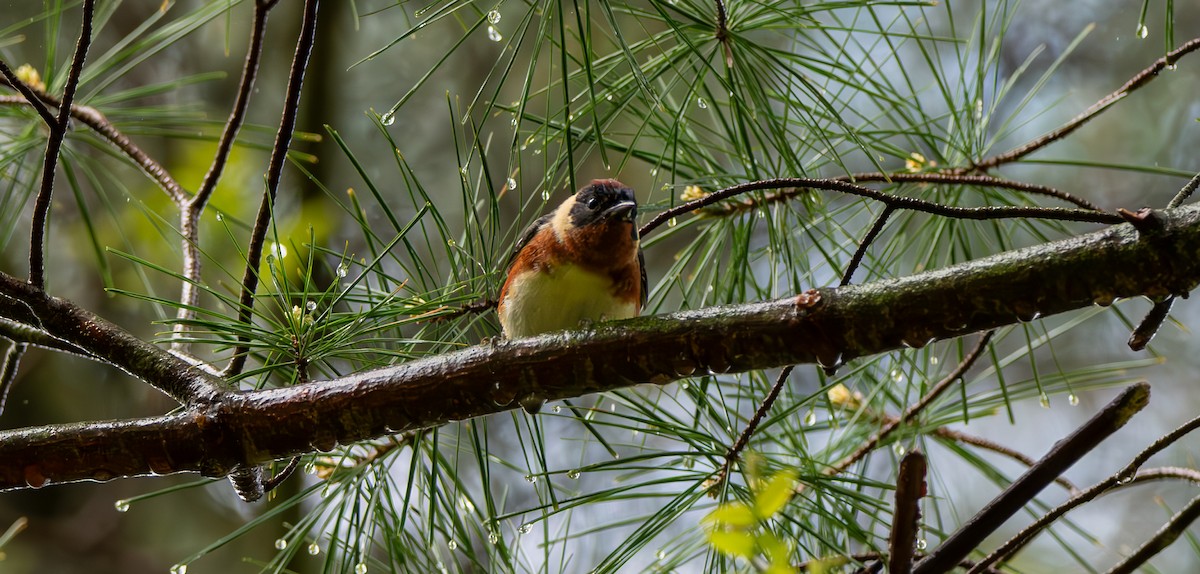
(642, 267)
(526, 237)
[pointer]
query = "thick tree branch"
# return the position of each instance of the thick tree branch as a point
(67, 322)
(233, 430)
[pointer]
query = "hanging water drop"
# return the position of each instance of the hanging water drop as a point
(921, 544)
(545, 195)
(898, 449)
(1044, 400)
(179, 569)
(361, 568)
(311, 306)
(1142, 31)
(314, 549)
(531, 479)
(494, 34)
(494, 16)
(525, 528)
(810, 418)
(121, 505)
(573, 474)
(493, 537)
(701, 103)
(510, 183)
(280, 544)
(342, 271)
(557, 408)
(388, 119)
(672, 222)
(452, 545)
(1073, 400)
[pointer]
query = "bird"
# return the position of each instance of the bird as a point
(578, 264)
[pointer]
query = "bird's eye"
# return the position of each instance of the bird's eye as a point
(593, 202)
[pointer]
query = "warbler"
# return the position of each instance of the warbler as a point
(581, 262)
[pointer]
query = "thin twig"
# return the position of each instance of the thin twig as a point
(1151, 323)
(980, 442)
(58, 132)
(1062, 455)
(30, 95)
(189, 213)
(273, 482)
(971, 179)
(8, 370)
(722, 32)
(736, 450)
(914, 410)
(1161, 539)
(283, 139)
(895, 201)
(869, 238)
(92, 118)
(1137, 81)
(478, 307)
(910, 488)
(1106, 486)
(1185, 192)
(1120, 477)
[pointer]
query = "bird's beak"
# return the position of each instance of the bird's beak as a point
(626, 210)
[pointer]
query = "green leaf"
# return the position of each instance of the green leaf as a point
(732, 542)
(735, 514)
(776, 494)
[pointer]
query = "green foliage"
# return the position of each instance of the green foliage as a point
(741, 530)
(660, 95)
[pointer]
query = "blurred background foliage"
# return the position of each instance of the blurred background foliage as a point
(431, 133)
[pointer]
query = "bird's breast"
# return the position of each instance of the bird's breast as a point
(561, 297)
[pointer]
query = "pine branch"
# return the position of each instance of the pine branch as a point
(235, 429)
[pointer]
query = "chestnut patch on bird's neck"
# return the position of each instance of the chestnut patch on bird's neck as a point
(602, 246)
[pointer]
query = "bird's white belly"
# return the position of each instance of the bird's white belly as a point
(561, 299)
